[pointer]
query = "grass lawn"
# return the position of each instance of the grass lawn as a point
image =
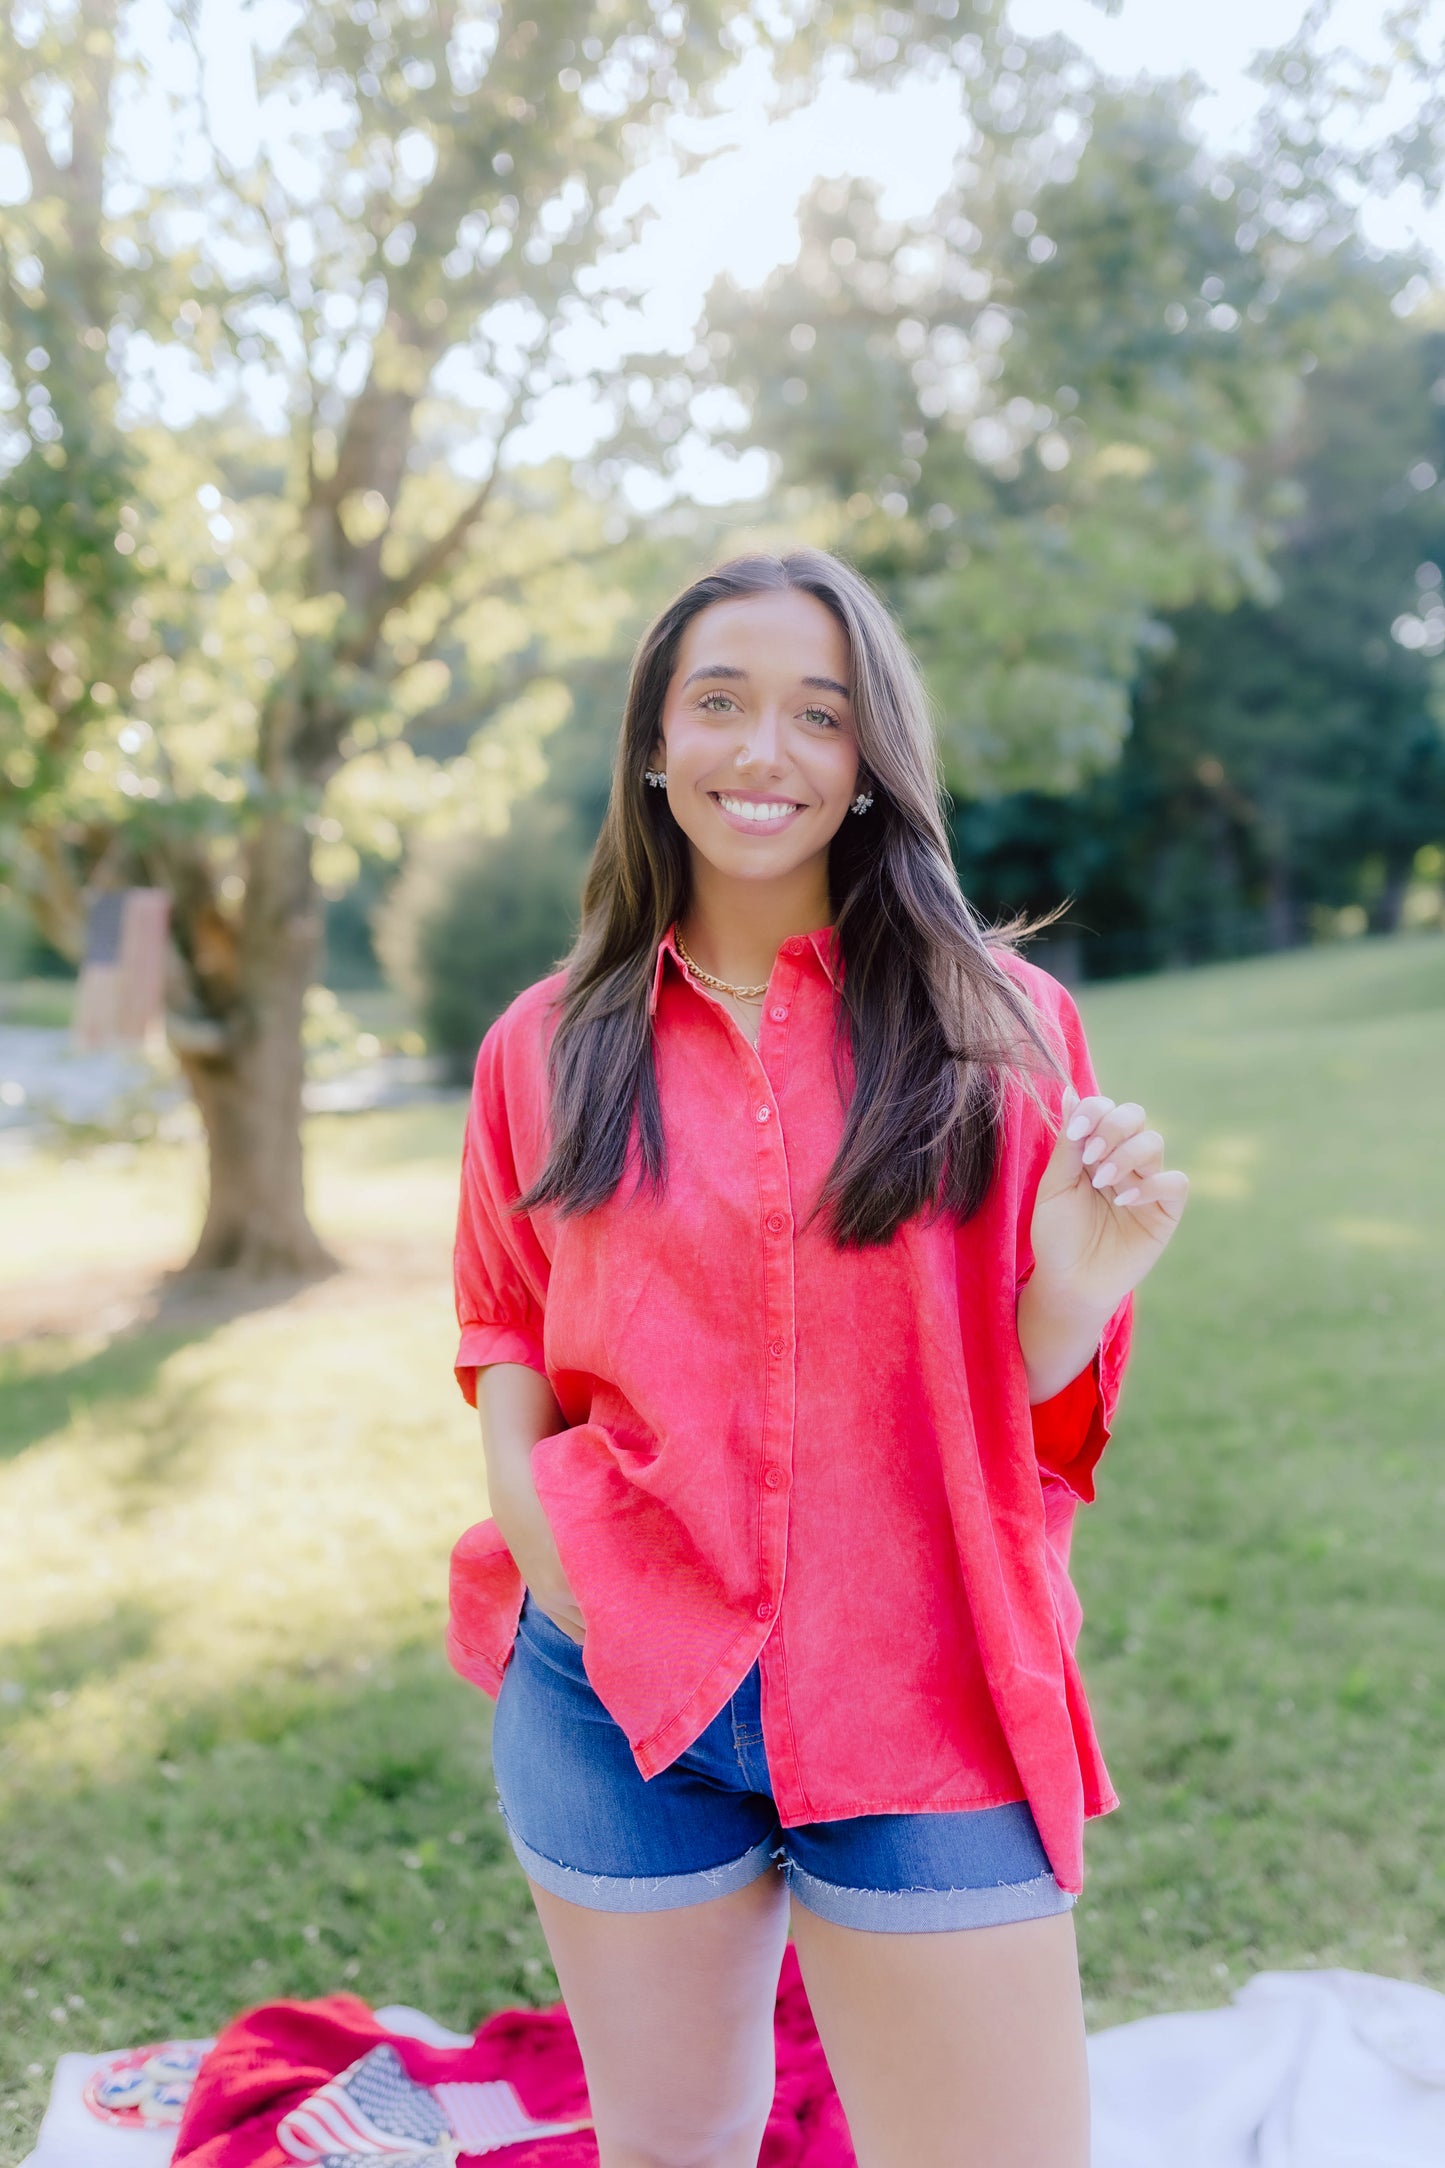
(237, 1765)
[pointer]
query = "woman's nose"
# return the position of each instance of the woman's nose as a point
(762, 745)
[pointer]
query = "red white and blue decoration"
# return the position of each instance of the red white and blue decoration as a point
(145, 2088)
(373, 2112)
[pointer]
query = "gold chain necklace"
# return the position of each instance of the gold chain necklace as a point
(739, 993)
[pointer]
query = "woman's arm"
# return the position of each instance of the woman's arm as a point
(518, 1407)
(1058, 1334)
(1091, 1248)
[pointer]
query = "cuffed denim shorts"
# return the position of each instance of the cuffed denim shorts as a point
(587, 1825)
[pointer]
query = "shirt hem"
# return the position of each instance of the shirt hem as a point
(657, 1750)
(949, 1803)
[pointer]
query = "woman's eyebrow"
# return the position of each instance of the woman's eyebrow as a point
(712, 669)
(730, 670)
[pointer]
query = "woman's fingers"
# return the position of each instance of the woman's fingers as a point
(1112, 1126)
(1085, 1114)
(1168, 1188)
(1141, 1154)
(1120, 1152)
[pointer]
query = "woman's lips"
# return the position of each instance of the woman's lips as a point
(754, 827)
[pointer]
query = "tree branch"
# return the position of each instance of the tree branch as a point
(438, 554)
(44, 175)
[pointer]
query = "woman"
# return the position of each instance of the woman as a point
(795, 1270)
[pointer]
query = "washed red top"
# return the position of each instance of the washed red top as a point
(778, 1450)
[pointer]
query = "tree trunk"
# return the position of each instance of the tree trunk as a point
(248, 1083)
(1281, 915)
(1387, 907)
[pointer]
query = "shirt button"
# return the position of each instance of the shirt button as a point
(765, 1114)
(765, 1609)
(777, 1347)
(776, 1223)
(773, 1478)
(794, 946)
(778, 1014)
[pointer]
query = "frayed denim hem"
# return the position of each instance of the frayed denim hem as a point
(643, 1893)
(928, 1911)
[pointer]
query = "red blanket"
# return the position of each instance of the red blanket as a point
(269, 2060)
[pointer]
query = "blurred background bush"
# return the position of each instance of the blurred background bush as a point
(522, 888)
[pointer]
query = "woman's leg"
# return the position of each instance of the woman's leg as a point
(956, 2049)
(673, 2012)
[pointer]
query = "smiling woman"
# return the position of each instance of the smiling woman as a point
(795, 1269)
(757, 739)
(784, 682)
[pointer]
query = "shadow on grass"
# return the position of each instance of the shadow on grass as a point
(40, 1395)
(56, 1663)
(303, 1836)
(37, 1399)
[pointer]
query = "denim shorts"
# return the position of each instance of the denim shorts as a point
(587, 1826)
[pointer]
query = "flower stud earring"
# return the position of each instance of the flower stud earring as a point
(862, 802)
(655, 776)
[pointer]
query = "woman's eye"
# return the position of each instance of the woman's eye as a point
(821, 715)
(708, 699)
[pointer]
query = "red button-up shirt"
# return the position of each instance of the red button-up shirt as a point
(776, 1450)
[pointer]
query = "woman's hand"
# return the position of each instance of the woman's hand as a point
(1091, 1248)
(1106, 1207)
(531, 1543)
(517, 1409)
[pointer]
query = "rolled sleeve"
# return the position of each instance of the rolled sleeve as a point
(1073, 1426)
(483, 1344)
(499, 1268)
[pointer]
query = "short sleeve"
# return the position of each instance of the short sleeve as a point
(499, 1267)
(1072, 1427)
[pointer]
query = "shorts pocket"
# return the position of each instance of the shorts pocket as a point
(545, 1633)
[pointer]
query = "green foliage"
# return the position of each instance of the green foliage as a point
(474, 921)
(1287, 756)
(1030, 416)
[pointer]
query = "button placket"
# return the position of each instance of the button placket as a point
(776, 1443)
(782, 999)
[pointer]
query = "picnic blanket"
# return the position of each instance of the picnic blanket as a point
(1327, 2069)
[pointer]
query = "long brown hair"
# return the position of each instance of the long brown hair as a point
(933, 1021)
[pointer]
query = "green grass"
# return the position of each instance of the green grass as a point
(1262, 1574)
(237, 1765)
(34, 1002)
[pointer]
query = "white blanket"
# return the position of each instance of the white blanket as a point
(1301, 2070)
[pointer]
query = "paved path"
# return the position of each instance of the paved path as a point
(43, 1079)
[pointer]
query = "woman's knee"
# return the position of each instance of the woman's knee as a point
(660, 2140)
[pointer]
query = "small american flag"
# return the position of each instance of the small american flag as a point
(488, 2115)
(373, 2109)
(375, 2112)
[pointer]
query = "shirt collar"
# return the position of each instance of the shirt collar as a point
(823, 941)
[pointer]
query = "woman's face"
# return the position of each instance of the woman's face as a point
(757, 733)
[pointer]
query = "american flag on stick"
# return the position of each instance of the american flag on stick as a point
(121, 996)
(374, 2112)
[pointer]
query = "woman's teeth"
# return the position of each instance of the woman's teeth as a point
(748, 812)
